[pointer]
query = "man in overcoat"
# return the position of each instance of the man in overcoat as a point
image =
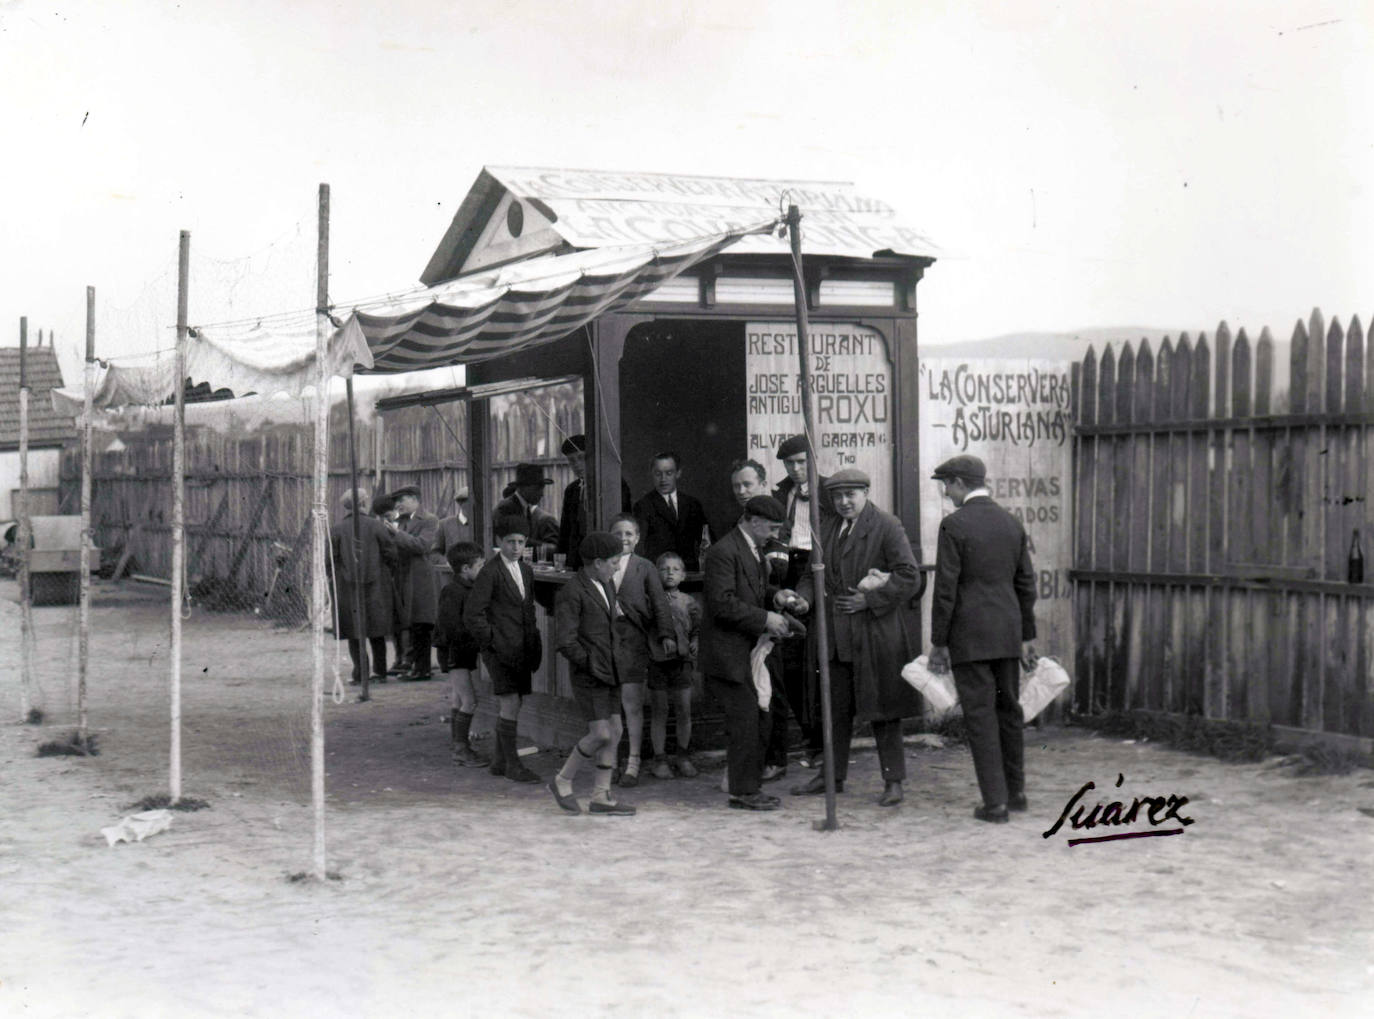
(577, 515)
(453, 530)
(364, 566)
(982, 623)
(417, 578)
(871, 634)
(741, 606)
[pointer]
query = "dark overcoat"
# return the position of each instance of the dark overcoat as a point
(372, 570)
(666, 531)
(417, 581)
(737, 599)
(984, 601)
(584, 631)
(572, 524)
(501, 621)
(644, 620)
(884, 636)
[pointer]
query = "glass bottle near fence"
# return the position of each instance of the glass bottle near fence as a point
(705, 541)
(1355, 564)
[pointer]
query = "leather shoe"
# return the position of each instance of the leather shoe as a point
(993, 815)
(519, 773)
(414, 676)
(773, 772)
(568, 803)
(755, 801)
(892, 795)
(378, 678)
(815, 787)
(1016, 802)
(612, 809)
(464, 755)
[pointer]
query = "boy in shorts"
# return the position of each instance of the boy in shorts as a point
(672, 676)
(584, 616)
(499, 613)
(458, 648)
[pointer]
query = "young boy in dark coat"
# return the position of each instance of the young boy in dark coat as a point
(584, 614)
(458, 648)
(499, 614)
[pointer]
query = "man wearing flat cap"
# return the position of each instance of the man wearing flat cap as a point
(522, 497)
(573, 523)
(417, 580)
(871, 632)
(741, 606)
(982, 622)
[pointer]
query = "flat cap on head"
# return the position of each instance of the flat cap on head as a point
(850, 477)
(767, 507)
(407, 490)
(383, 503)
(573, 444)
(964, 466)
(599, 545)
(792, 446)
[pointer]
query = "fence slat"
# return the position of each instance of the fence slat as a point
(1316, 361)
(1141, 411)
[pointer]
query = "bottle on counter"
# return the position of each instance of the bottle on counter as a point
(705, 541)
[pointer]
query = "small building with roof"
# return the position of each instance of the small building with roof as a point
(49, 431)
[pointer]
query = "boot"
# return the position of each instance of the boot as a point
(514, 769)
(498, 752)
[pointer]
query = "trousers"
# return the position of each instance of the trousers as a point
(886, 733)
(746, 733)
(990, 692)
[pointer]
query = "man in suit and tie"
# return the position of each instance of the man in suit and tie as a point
(872, 635)
(982, 623)
(522, 497)
(741, 606)
(577, 514)
(673, 521)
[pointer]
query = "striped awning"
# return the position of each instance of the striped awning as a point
(491, 314)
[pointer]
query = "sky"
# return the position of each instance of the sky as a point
(1080, 164)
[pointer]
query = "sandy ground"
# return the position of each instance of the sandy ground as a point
(470, 894)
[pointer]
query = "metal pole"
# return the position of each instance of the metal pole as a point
(320, 531)
(822, 622)
(179, 504)
(25, 537)
(87, 539)
(359, 620)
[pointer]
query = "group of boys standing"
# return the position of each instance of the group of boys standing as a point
(624, 625)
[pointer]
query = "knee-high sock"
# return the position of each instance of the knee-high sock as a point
(574, 763)
(461, 726)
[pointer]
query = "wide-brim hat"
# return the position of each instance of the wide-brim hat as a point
(965, 466)
(462, 495)
(850, 477)
(530, 474)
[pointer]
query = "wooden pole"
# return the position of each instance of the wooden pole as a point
(320, 535)
(359, 620)
(84, 657)
(821, 622)
(25, 536)
(179, 505)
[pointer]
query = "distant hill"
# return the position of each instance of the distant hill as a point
(1067, 346)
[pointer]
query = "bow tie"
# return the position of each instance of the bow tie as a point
(801, 497)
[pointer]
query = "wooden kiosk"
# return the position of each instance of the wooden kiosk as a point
(706, 364)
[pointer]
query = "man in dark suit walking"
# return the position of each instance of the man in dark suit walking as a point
(741, 606)
(673, 521)
(982, 623)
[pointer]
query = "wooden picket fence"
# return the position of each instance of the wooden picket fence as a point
(1214, 520)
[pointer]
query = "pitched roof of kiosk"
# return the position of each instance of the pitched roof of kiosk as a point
(513, 213)
(46, 426)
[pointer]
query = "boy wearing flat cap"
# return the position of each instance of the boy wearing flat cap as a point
(499, 613)
(584, 614)
(742, 605)
(982, 622)
(871, 633)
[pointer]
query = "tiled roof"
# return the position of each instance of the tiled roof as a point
(46, 426)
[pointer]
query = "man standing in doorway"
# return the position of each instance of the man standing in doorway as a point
(573, 524)
(982, 623)
(673, 521)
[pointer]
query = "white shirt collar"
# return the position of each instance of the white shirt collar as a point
(753, 545)
(514, 569)
(979, 492)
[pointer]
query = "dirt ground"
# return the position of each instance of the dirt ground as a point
(470, 894)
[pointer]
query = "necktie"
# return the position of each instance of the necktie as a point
(672, 504)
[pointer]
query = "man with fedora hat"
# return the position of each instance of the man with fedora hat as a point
(742, 605)
(576, 515)
(871, 632)
(522, 497)
(982, 622)
(417, 581)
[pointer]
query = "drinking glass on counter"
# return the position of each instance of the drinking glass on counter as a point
(560, 560)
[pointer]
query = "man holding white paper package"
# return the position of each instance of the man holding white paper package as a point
(982, 624)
